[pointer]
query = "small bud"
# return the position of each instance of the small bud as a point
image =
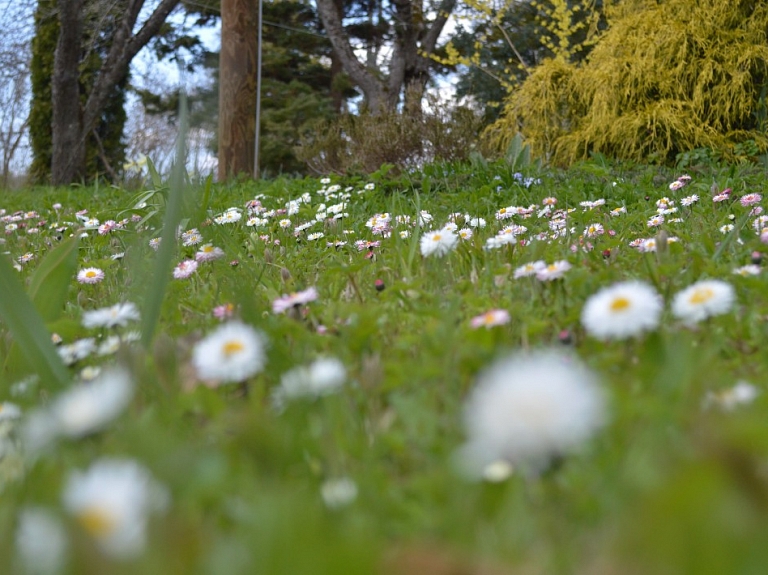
(268, 256)
(285, 274)
(379, 285)
(757, 258)
(606, 254)
(234, 263)
(565, 337)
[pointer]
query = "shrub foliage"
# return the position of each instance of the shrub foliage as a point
(666, 77)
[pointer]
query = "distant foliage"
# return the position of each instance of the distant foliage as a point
(363, 143)
(665, 78)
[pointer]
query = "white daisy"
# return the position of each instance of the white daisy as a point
(112, 501)
(117, 315)
(702, 300)
(529, 408)
(322, 377)
(233, 352)
(89, 407)
(438, 243)
(622, 310)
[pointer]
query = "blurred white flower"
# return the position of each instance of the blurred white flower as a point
(40, 541)
(622, 310)
(702, 300)
(742, 393)
(112, 502)
(117, 315)
(322, 377)
(528, 408)
(338, 492)
(233, 352)
(89, 407)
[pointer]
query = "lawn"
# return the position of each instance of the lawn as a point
(460, 370)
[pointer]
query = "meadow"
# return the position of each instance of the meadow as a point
(463, 369)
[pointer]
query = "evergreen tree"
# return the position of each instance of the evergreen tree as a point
(665, 78)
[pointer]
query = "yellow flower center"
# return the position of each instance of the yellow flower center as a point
(97, 522)
(437, 237)
(701, 295)
(620, 304)
(207, 249)
(232, 347)
(90, 274)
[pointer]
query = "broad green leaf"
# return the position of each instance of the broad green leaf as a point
(50, 282)
(27, 328)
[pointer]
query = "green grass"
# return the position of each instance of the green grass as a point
(666, 487)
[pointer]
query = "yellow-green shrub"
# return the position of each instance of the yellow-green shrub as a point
(664, 78)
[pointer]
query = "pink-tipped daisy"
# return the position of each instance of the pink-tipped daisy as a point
(90, 275)
(288, 301)
(185, 269)
(490, 319)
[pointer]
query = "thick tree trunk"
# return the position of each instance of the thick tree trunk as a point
(71, 124)
(68, 156)
(237, 87)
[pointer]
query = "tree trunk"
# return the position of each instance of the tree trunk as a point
(68, 156)
(237, 87)
(71, 124)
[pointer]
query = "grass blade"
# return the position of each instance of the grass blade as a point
(50, 282)
(27, 328)
(158, 283)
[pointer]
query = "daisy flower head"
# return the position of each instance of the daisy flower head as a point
(618, 211)
(676, 185)
(748, 270)
(529, 408)
(553, 271)
(117, 315)
(656, 221)
(233, 352)
(529, 269)
(689, 200)
(295, 299)
(185, 269)
(622, 310)
(438, 243)
(208, 253)
(703, 299)
(743, 393)
(90, 275)
(490, 319)
(191, 237)
(594, 230)
(89, 407)
(465, 233)
(750, 199)
(322, 377)
(112, 502)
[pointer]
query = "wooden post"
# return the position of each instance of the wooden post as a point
(237, 86)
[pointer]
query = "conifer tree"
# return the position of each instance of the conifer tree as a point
(664, 78)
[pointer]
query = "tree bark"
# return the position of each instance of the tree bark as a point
(71, 124)
(68, 155)
(237, 87)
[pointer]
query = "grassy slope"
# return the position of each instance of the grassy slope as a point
(665, 483)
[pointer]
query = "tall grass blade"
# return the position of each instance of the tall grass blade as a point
(158, 283)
